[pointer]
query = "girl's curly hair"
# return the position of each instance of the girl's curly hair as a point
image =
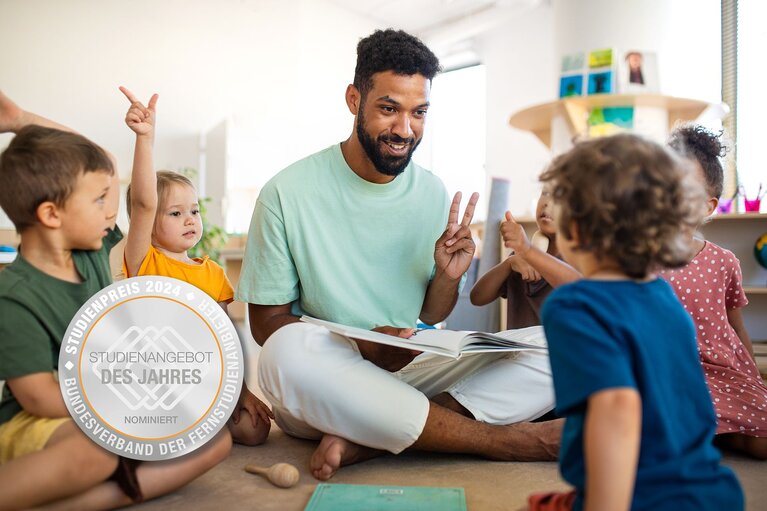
(629, 200)
(697, 143)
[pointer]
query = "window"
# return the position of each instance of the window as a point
(453, 146)
(751, 104)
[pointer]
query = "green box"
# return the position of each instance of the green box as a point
(359, 497)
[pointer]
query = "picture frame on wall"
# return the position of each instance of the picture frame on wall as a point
(573, 69)
(638, 73)
(570, 86)
(601, 58)
(601, 83)
(573, 63)
(601, 77)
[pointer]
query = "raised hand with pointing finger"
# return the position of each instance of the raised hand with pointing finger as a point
(142, 196)
(159, 239)
(140, 118)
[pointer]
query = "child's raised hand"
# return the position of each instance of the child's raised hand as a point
(514, 236)
(140, 118)
(10, 114)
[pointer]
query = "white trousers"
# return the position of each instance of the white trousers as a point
(317, 382)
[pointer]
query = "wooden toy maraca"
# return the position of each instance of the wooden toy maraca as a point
(283, 475)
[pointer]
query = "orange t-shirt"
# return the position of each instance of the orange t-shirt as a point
(208, 275)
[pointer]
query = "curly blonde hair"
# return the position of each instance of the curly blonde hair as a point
(629, 200)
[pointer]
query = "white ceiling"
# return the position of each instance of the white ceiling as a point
(424, 16)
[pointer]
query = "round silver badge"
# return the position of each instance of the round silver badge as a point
(151, 368)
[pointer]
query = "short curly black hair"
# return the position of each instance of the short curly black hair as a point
(695, 142)
(392, 50)
(630, 200)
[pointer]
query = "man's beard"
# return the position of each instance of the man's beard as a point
(385, 164)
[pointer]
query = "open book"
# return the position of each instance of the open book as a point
(449, 343)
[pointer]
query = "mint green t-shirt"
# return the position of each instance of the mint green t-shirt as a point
(35, 311)
(347, 250)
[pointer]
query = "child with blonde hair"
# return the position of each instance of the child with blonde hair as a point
(639, 422)
(710, 288)
(164, 224)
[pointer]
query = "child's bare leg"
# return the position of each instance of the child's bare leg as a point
(69, 464)
(245, 433)
(755, 447)
(155, 478)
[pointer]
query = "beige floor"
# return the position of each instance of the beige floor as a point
(489, 485)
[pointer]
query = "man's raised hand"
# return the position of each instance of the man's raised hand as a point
(140, 118)
(455, 248)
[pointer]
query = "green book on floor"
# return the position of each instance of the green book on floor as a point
(360, 497)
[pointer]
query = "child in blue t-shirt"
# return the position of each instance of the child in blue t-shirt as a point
(639, 420)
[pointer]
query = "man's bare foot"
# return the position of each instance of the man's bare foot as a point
(335, 452)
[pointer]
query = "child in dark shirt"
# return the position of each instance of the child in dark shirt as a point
(638, 417)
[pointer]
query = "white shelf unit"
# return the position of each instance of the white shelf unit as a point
(738, 233)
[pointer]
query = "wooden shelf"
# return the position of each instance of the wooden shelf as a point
(738, 232)
(537, 119)
(740, 216)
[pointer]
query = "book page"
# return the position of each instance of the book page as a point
(448, 343)
(413, 343)
(472, 342)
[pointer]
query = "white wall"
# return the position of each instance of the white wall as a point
(282, 66)
(277, 71)
(686, 34)
(523, 58)
(299, 108)
(519, 58)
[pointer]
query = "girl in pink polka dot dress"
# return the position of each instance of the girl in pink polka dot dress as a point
(710, 289)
